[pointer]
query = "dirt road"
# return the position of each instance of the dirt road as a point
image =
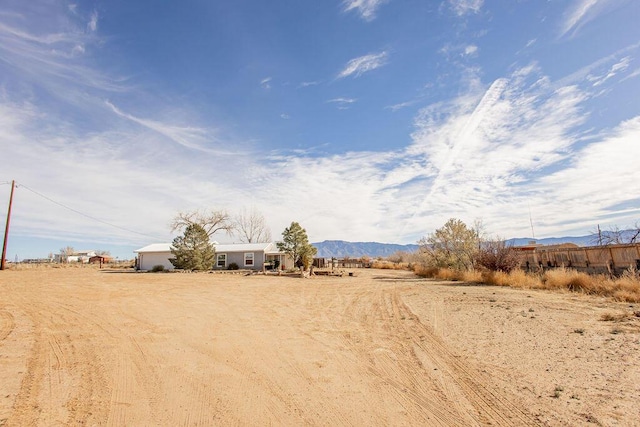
(89, 347)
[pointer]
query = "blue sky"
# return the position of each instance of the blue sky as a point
(364, 120)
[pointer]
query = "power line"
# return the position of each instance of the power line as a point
(84, 214)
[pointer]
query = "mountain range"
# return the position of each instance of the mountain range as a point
(341, 248)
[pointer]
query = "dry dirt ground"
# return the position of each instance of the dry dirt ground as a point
(89, 347)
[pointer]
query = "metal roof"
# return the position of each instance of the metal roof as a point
(231, 247)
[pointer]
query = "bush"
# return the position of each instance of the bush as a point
(497, 256)
(233, 266)
(157, 268)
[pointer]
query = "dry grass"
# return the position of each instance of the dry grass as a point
(73, 265)
(449, 274)
(388, 265)
(625, 288)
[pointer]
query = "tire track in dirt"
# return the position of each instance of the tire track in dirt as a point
(362, 320)
(382, 348)
(7, 324)
(63, 384)
(489, 404)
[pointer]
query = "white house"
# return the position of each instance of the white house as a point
(246, 255)
(79, 256)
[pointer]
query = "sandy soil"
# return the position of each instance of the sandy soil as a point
(89, 347)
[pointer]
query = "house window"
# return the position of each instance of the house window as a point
(221, 261)
(248, 259)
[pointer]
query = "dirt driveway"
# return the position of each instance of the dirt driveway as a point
(89, 347)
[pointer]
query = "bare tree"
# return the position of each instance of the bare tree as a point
(65, 253)
(251, 226)
(615, 236)
(211, 221)
(635, 237)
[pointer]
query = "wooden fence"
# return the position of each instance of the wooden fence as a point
(613, 259)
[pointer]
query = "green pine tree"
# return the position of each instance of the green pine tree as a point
(295, 243)
(193, 251)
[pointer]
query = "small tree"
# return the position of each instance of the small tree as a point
(307, 253)
(452, 246)
(193, 251)
(295, 243)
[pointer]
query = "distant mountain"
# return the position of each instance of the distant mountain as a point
(340, 249)
(589, 240)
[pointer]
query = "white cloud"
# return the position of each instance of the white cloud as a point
(401, 105)
(583, 11)
(342, 103)
(366, 8)
(307, 84)
(471, 50)
(358, 66)
(285, 116)
(464, 7)
(188, 137)
(588, 70)
(616, 68)
(575, 16)
(266, 83)
(93, 22)
(488, 149)
(53, 61)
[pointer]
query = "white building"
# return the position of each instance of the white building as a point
(251, 256)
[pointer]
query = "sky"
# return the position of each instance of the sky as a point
(363, 120)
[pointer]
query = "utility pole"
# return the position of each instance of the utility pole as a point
(599, 236)
(6, 228)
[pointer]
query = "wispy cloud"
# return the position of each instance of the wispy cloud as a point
(592, 68)
(366, 8)
(188, 137)
(307, 84)
(343, 103)
(583, 11)
(266, 83)
(52, 60)
(358, 66)
(399, 106)
(577, 15)
(93, 22)
(471, 50)
(616, 68)
(464, 7)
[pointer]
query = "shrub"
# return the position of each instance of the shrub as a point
(233, 266)
(497, 256)
(157, 268)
